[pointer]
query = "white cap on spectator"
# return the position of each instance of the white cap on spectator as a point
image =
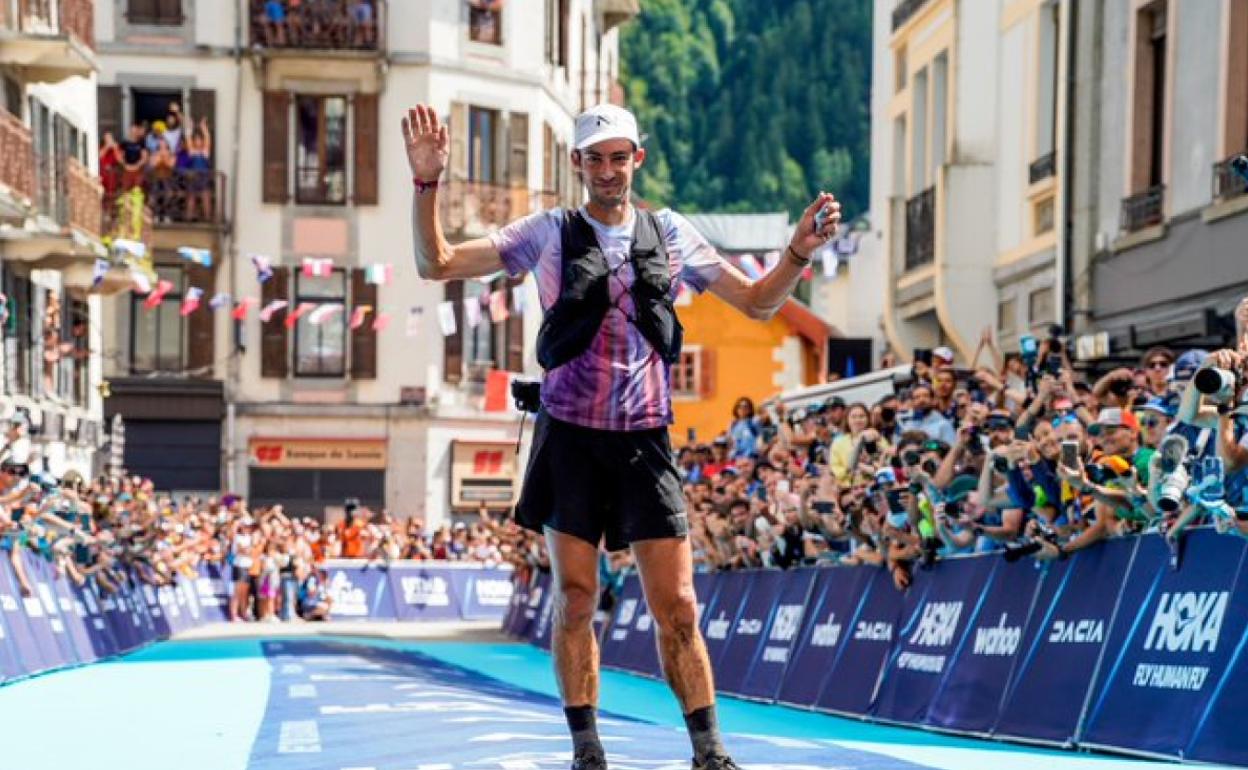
(605, 121)
(943, 353)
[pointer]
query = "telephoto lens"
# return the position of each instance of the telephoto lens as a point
(1217, 384)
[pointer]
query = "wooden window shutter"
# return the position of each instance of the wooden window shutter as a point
(453, 345)
(706, 373)
(459, 141)
(363, 339)
(515, 329)
(366, 149)
(200, 337)
(204, 107)
(276, 146)
(109, 111)
(273, 348)
(141, 11)
(518, 155)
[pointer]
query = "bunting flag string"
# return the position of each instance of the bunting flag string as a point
(198, 256)
(770, 260)
(324, 313)
(317, 268)
(142, 284)
(357, 315)
(243, 307)
(219, 300)
(157, 295)
(446, 318)
(190, 302)
(263, 265)
(381, 321)
(379, 273)
(268, 310)
(414, 316)
(472, 312)
(749, 266)
(127, 247)
(498, 306)
(99, 271)
(517, 300)
(302, 309)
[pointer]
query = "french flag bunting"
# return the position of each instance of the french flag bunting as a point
(136, 249)
(157, 295)
(357, 315)
(317, 268)
(379, 273)
(142, 284)
(324, 313)
(517, 300)
(302, 309)
(243, 308)
(99, 271)
(381, 321)
(446, 318)
(198, 256)
(750, 266)
(190, 302)
(472, 312)
(498, 306)
(219, 300)
(266, 312)
(770, 260)
(264, 267)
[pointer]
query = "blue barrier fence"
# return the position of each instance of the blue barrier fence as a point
(1110, 649)
(62, 625)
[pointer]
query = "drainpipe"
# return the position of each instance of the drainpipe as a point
(1065, 243)
(233, 365)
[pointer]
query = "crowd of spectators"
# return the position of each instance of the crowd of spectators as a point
(316, 23)
(170, 160)
(1018, 454)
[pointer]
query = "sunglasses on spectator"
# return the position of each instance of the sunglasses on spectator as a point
(1159, 363)
(1151, 421)
(1064, 419)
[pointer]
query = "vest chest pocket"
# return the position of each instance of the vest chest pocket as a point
(584, 277)
(652, 270)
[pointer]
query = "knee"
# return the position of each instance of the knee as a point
(575, 604)
(677, 614)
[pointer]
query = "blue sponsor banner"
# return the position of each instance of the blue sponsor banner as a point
(46, 628)
(484, 594)
(1166, 651)
(771, 660)
(1064, 641)
(641, 654)
(730, 598)
(970, 697)
(359, 593)
(746, 636)
(544, 625)
(212, 589)
(618, 637)
(515, 608)
(851, 683)
(96, 622)
(74, 614)
(421, 593)
(21, 654)
(835, 599)
(933, 634)
(539, 586)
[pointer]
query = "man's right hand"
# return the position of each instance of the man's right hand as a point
(427, 143)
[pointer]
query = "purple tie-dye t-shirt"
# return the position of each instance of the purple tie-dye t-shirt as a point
(619, 383)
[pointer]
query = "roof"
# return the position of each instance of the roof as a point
(744, 232)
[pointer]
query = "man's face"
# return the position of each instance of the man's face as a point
(921, 399)
(1118, 440)
(943, 383)
(607, 170)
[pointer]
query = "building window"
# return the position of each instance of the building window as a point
(557, 32)
(482, 347)
(78, 352)
(1040, 307)
(19, 347)
(1046, 107)
(157, 336)
(485, 21)
(918, 133)
(1007, 313)
(484, 127)
(162, 12)
(899, 70)
(1149, 98)
(321, 337)
(321, 149)
(940, 94)
(686, 373)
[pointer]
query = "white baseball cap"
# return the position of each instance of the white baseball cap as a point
(605, 121)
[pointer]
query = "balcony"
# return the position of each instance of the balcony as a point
(1143, 209)
(920, 229)
(1042, 168)
(1227, 183)
(321, 27)
(475, 208)
(904, 10)
(17, 170)
(48, 40)
(181, 198)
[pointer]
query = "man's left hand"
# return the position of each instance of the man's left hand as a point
(806, 239)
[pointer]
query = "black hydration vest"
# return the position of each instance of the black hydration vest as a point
(569, 326)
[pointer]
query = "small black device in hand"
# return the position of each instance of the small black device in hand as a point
(527, 395)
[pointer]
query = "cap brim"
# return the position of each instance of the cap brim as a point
(602, 136)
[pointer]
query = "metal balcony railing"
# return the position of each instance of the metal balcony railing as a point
(479, 207)
(1042, 168)
(81, 199)
(904, 10)
(340, 25)
(50, 17)
(1143, 209)
(181, 196)
(17, 155)
(1226, 183)
(920, 229)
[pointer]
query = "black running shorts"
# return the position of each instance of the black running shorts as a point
(592, 483)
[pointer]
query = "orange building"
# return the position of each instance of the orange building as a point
(727, 355)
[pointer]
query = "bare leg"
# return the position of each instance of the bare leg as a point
(573, 646)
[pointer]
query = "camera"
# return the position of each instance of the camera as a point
(910, 457)
(527, 394)
(1219, 385)
(1000, 464)
(870, 447)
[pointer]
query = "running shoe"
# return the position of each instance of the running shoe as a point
(715, 762)
(589, 759)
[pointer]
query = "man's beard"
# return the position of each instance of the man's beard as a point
(609, 201)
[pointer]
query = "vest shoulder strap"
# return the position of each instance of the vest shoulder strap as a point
(646, 236)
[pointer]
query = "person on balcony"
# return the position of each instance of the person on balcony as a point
(195, 169)
(362, 25)
(274, 22)
(111, 161)
(134, 157)
(163, 188)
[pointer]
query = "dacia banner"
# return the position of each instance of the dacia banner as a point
(771, 658)
(543, 627)
(969, 699)
(938, 612)
(746, 632)
(1166, 651)
(641, 654)
(836, 597)
(87, 596)
(419, 592)
(722, 613)
(213, 590)
(1064, 641)
(539, 588)
(854, 677)
(360, 593)
(618, 637)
